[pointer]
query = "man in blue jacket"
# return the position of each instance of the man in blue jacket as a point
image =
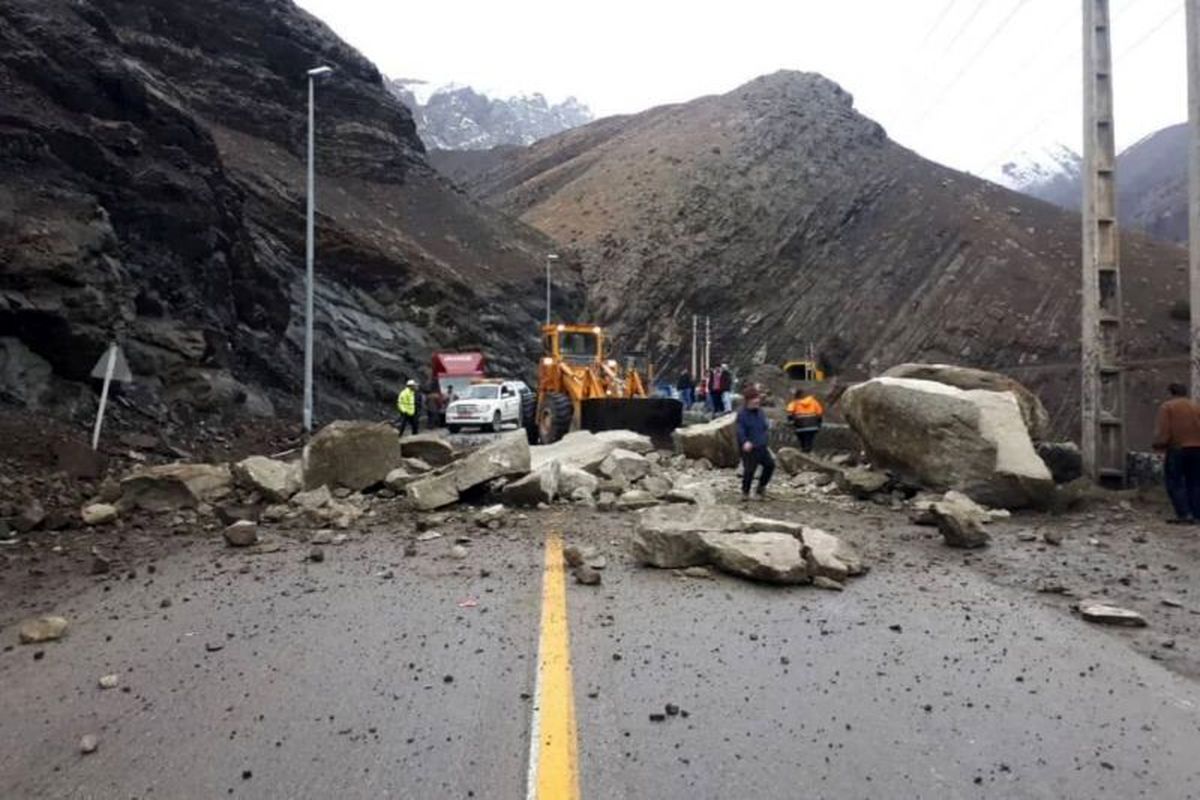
(752, 427)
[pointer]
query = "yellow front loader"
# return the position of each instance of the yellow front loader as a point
(579, 387)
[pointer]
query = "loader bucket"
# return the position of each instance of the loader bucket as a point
(655, 417)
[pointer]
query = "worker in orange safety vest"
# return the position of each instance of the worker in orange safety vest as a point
(805, 412)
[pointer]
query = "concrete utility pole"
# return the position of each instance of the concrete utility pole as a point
(694, 326)
(1193, 67)
(1102, 396)
(309, 247)
(550, 259)
(707, 344)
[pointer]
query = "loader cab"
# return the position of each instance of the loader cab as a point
(574, 344)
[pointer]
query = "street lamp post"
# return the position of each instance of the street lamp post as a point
(313, 74)
(550, 258)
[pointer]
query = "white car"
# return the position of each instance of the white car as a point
(487, 405)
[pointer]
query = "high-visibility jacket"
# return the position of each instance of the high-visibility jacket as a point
(806, 413)
(406, 402)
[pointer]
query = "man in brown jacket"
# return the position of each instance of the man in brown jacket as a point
(1177, 431)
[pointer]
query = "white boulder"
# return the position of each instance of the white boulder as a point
(945, 438)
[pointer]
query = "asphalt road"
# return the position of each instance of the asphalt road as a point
(373, 674)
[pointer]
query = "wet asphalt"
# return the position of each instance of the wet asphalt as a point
(373, 674)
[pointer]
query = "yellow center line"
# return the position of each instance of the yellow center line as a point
(553, 761)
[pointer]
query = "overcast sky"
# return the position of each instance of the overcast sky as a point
(966, 82)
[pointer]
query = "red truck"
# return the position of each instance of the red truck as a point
(453, 372)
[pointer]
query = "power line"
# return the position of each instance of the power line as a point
(909, 97)
(937, 23)
(963, 29)
(1052, 107)
(916, 70)
(974, 58)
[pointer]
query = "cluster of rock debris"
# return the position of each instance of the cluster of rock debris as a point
(955, 447)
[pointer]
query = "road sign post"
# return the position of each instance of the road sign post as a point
(110, 367)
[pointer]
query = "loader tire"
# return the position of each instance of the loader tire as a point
(529, 416)
(554, 417)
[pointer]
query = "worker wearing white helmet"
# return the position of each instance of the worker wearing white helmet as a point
(406, 404)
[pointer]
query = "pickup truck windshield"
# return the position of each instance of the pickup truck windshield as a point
(480, 393)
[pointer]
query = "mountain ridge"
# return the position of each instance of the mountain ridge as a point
(789, 218)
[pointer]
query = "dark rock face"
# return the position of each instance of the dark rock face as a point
(792, 220)
(152, 189)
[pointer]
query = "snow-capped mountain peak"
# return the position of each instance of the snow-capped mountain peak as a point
(1038, 167)
(457, 117)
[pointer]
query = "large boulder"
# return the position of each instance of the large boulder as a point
(1037, 419)
(759, 556)
(960, 520)
(624, 463)
(942, 437)
(571, 479)
(241, 533)
(313, 498)
(539, 486)
(275, 480)
(862, 483)
(581, 449)
(627, 440)
(1063, 459)
(829, 556)
(433, 491)
(432, 448)
(715, 441)
(635, 499)
(351, 454)
(174, 486)
(505, 457)
(656, 485)
(776, 551)
(691, 492)
(671, 536)
(792, 461)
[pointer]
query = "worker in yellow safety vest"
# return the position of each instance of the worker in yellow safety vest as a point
(806, 412)
(406, 404)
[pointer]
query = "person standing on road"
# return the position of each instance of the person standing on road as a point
(687, 389)
(725, 387)
(406, 404)
(711, 383)
(752, 432)
(1177, 433)
(435, 406)
(806, 412)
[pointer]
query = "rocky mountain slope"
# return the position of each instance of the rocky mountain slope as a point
(461, 118)
(792, 219)
(1151, 185)
(152, 190)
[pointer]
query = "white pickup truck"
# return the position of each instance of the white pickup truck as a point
(490, 404)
